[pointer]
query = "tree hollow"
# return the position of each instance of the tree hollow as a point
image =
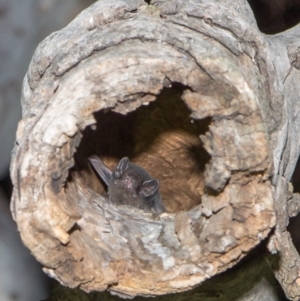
(174, 102)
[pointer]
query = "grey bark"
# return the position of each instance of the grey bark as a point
(194, 93)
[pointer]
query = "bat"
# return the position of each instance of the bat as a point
(130, 184)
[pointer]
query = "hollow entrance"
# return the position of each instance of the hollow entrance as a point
(162, 138)
(294, 222)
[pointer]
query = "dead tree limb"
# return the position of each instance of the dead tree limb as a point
(191, 91)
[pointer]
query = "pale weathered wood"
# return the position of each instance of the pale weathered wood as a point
(147, 81)
(251, 280)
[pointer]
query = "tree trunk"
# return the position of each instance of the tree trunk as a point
(197, 96)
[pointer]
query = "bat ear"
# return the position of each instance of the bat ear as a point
(122, 166)
(149, 188)
(102, 170)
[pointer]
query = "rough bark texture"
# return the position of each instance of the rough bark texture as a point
(252, 279)
(195, 94)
